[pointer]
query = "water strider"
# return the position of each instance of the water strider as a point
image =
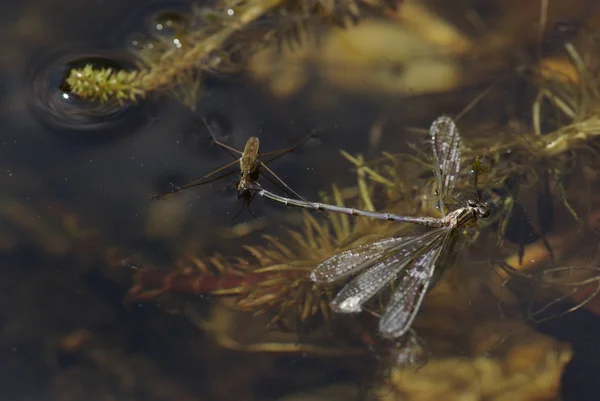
(410, 260)
(250, 165)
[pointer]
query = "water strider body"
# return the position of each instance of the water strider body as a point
(410, 261)
(249, 169)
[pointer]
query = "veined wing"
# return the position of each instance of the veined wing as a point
(406, 299)
(445, 143)
(382, 271)
(348, 262)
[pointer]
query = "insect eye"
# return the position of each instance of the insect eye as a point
(484, 210)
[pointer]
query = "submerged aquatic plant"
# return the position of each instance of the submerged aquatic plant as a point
(218, 38)
(273, 279)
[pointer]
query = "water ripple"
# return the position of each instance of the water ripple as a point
(74, 118)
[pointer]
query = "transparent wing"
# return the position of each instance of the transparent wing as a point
(445, 143)
(406, 299)
(382, 271)
(348, 262)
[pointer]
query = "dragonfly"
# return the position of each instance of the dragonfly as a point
(409, 261)
(250, 166)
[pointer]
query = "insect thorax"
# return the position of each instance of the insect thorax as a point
(467, 215)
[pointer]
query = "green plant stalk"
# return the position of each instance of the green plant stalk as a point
(104, 84)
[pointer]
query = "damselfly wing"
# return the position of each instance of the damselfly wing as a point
(409, 261)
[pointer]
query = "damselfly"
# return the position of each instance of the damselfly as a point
(410, 260)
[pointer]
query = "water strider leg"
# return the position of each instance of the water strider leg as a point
(286, 150)
(199, 181)
(285, 186)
